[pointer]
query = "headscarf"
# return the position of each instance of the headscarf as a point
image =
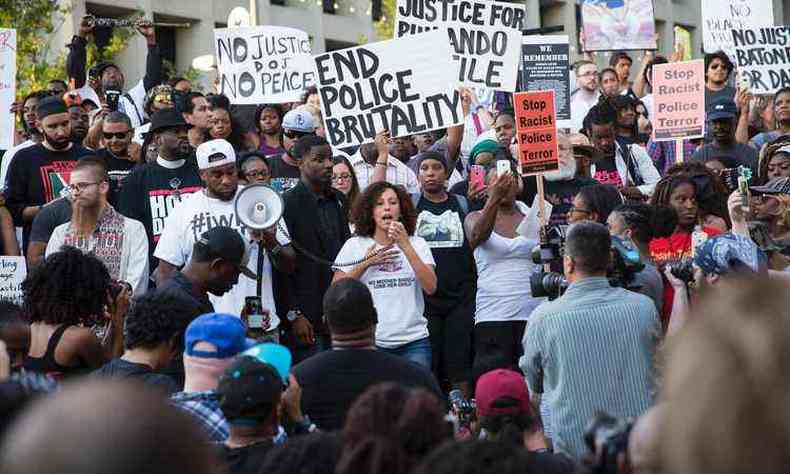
(484, 146)
(728, 253)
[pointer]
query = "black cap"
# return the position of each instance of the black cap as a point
(722, 108)
(98, 69)
(246, 385)
(431, 155)
(226, 243)
(50, 106)
(348, 307)
(775, 186)
(167, 118)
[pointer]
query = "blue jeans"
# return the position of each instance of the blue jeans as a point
(418, 351)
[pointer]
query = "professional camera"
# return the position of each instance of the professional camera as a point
(607, 437)
(682, 269)
(463, 409)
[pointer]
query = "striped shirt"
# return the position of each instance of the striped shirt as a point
(591, 349)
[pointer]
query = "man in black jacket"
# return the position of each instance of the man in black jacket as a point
(317, 220)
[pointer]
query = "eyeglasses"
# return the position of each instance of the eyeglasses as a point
(118, 135)
(341, 177)
(295, 135)
(80, 187)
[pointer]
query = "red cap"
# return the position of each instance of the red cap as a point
(501, 383)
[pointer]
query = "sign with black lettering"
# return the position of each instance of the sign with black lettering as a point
(545, 65)
(536, 132)
(764, 55)
(405, 85)
(485, 36)
(719, 17)
(679, 100)
(618, 24)
(260, 64)
(13, 271)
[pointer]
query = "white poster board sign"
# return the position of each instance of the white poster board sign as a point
(764, 55)
(7, 86)
(719, 17)
(263, 64)
(13, 271)
(405, 85)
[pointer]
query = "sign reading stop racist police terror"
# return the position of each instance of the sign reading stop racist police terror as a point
(764, 54)
(679, 100)
(536, 128)
(485, 36)
(263, 64)
(405, 85)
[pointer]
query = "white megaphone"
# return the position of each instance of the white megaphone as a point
(258, 206)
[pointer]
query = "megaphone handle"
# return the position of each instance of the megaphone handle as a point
(259, 271)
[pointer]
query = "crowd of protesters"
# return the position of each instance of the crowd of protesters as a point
(422, 308)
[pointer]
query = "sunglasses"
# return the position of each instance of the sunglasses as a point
(295, 135)
(118, 135)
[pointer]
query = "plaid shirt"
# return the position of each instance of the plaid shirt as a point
(204, 408)
(663, 154)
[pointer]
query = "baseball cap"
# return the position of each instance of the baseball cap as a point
(275, 355)
(223, 331)
(299, 121)
(722, 109)
(167, 118)
(50, 106)
(775, 186)
(501, 383)
(215, 153)
(246, 384)
(226, 243)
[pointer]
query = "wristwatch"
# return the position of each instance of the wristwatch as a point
(293, 315)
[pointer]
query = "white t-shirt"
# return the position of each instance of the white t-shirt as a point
(397, 295)
(196, 214)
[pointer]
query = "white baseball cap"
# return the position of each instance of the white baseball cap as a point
(214, 153)
(299, 121)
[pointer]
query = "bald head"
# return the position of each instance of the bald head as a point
(100, 427)
(643, 441)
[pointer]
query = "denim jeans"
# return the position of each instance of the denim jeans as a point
(418, 351)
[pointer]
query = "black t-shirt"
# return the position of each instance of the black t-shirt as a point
(151, 191)
(559, 193)
(122, 369)
(712, 96)
(606, 172)
(181, 285)
(50, 216)
(284, 176)
(118, 169)
(247, 459)
(442, 226)
(333, 379)
(550, 463)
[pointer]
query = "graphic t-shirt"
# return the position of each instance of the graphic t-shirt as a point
(397, 295)
(606, 172)
(151, 191)
(284, 176)
(118, 169)
(199, 213)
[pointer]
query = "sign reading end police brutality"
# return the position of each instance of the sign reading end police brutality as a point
(485, 36)
(263, 64)
(679, 100)
(405, 86)
(536, 132)
(764, 54)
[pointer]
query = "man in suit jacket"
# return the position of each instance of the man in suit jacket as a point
(318, 224)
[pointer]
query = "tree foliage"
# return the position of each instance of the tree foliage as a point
(385, 27)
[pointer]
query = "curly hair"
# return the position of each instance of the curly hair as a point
(722, 56)
(316, 453)
(392, 425)
(712, 193)
(362, 211)
(601, 199)
(156, 317)
(277, 108)
(236, 137)
(767, 154)
(69, 287)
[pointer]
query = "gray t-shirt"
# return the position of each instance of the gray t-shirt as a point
(743, 154)
(649, 283)
(52, 215)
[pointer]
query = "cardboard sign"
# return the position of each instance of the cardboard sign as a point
(679, 100)
(263, 64)
(764, 55)
(622, 24)
(405, 85)
(13, 271)
(545, 66)
(7, 86)
(719, 17)
(485, 36)
(683, 42)
(536, 132)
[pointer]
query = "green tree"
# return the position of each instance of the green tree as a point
(385, 27)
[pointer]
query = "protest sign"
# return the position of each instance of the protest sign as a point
(485, 36)
(683, 42)
(719, 17)
(536, 132)
(12, 273)
(764, 55)
(625, 24)
(7, 86)
(405, 85)
(545, 66)
(679, 100)
(263, 64)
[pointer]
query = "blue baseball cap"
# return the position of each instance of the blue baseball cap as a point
(224, 331)
(275, 355)
(722, 109)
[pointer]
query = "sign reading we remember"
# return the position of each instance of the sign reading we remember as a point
(536, 132)
(12, 273)
(263, 64)
(405, 85)
(545, 66)
(679, 100)
(485, 36)
(719, 17)
(764, 54)
(7, 86)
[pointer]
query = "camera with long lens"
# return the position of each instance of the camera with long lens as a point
(682, 270)
(607, 438)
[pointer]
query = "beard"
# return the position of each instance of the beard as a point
(183, 151)
(566, 172)
(57, 144)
